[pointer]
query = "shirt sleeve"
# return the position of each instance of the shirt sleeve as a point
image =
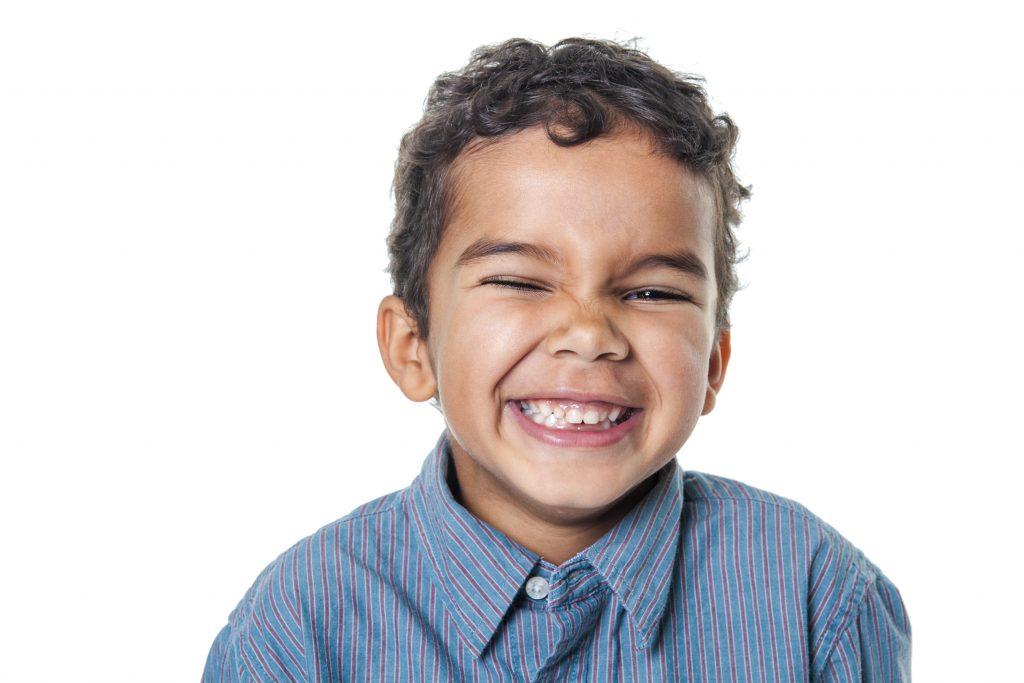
(265, 639)
(875, 646)
(220, 665)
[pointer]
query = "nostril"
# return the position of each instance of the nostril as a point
(589, 335)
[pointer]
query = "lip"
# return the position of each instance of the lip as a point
(574, 438)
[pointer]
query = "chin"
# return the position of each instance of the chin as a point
(583, 498)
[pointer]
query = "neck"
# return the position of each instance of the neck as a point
(556, 535)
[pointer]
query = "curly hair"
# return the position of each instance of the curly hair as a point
(578, 90)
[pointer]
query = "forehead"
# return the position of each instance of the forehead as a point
(618, 186)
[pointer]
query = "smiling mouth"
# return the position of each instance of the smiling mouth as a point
(574, 415)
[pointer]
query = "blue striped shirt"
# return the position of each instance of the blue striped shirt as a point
(705, 580)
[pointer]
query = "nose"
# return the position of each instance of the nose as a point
(586, 331)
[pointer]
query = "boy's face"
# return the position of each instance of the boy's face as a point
(577, 282)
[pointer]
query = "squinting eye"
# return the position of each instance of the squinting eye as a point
(655, 295)
(513, 284)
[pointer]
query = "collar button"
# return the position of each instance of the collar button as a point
(537, 587)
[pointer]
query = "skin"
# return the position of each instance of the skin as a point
(579, 312)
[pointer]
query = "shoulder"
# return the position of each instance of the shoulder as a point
(845, 597)
(753, 510)
(709, 489)
(358, 537)
(387, 504)
(268, 633)
(768, 518)
(293, 572)
(384, 511)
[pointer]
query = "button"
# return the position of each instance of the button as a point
(537, 588)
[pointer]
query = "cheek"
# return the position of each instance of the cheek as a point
(676, 362)
(489, 341)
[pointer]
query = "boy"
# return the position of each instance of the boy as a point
(562, 255)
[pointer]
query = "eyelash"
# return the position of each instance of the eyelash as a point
(652, 294)
(520, 285)
(642, 294)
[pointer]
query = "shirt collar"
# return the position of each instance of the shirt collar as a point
(481, 571)
(639, 555)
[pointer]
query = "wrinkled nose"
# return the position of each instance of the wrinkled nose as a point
(586, 331)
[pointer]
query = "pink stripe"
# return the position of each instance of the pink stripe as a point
(785, 597)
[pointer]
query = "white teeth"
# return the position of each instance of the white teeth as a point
(556, 414)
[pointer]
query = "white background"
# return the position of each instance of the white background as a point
(193, 203)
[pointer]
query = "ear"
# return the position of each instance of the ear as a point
(717, 365)
(405, 355)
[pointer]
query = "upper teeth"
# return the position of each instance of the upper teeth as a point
(562, 413)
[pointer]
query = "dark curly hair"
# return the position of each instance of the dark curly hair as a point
(578, 89)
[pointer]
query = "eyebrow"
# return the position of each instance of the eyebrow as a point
(485, 248)
(683, 261)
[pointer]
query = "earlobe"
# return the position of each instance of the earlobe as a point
(717, 366)
(404, 353)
